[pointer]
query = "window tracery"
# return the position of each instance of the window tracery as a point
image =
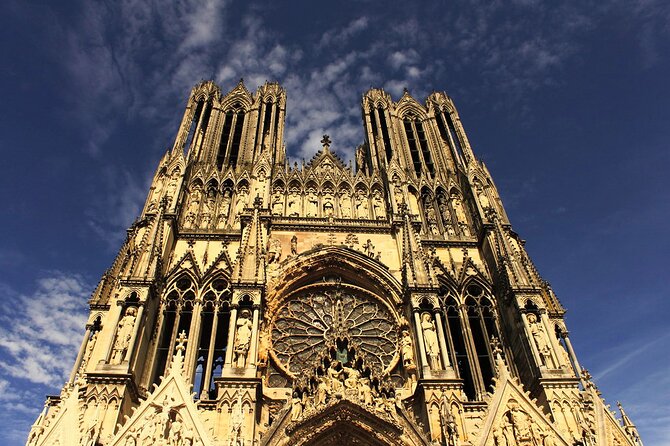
(314, 320)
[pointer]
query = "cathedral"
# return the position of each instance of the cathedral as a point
(383, 301)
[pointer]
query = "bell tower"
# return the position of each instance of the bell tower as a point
(255, 302)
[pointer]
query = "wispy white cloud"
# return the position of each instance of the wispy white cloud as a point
(39, 343)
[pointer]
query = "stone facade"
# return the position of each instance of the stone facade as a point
(261, 302)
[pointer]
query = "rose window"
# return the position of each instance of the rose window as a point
(313, 322)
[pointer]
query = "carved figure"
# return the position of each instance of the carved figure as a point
(335, 377)
(378, 205)
(360, 159)
(345, 205)
(369, 248)
(241, 203)
(294, 245)
(296, 407)
(328, 208)
(293, 204)
(362, 210)
(278, 203)
(322, 390)
(312, 204)
(540, 339)
(242, 339)
(365, 391)
(273, 251)
(352, 379)
(123, 335)
(407, 350)
(207, 209)
(430, 340)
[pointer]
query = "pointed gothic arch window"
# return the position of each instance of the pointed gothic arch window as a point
(418, 145)
(231, 136)
(455, 331)
(177, 309)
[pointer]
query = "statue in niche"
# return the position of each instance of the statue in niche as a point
(397, 194)
(345, 205)
(172, 185)
(124, 334)
(294, 245)
(278, 203)
(369, 248)
(378, 205)
(296, 406)
(328, 208)
(242, 199)
(407, 350)
(465, 229)
(413, 203)
(192, 209)
(273, 251)
(242, 338)
(449, 426)
(360, 159)
(322, 390)
(224, 210)
(430, 341)
(158, 191)
(483, 199)
(362, 210)
(522, 424)
(89, 350)
(312, 204)
(365, 391)
(293, 205)
(458, 208)
(540, 339)
(207, 209)
(259, 190)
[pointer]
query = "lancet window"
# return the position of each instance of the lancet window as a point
(231, 136)
(447, 129)
(418, 145)
(206, 325)
(380, 132)
(470, 329)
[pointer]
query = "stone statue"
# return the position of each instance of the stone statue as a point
(430, 340)
(207, 209)
(322, 390)
(345, 205)
(278, 203)
(273, 251)
(241, 203)
(294, 245)
(483, 199)
(360, 159)
(407, 350)
(365, 391)
(540, 339)
(124, 333)
(293, 204)
(352, 379)
(242, 338)
(369, 248)
(312, 205)
(296, 407)
(335, 377)
(378, 205)
(362, 206)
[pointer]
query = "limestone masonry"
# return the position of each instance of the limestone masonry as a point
(259, 302)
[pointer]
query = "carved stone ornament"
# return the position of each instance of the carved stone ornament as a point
(309, 322)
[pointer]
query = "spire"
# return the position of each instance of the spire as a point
(628, 426)
(250, 264)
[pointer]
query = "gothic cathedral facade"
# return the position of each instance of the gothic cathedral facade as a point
(386, 301)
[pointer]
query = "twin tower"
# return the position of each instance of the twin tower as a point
(257, 302)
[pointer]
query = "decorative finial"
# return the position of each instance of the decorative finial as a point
(326, 142)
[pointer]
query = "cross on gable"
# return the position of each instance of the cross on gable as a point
(326, 141)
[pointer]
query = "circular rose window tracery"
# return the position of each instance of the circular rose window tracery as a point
(310, 323)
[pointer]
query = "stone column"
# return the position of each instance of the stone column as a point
(443, 341)
(132, 346)
(193, 338)
(80, 355)
(419, 338)
(231, 336)
(210, 354)
(253, 348)
(568, 344)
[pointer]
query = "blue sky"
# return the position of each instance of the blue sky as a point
(567, 103)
